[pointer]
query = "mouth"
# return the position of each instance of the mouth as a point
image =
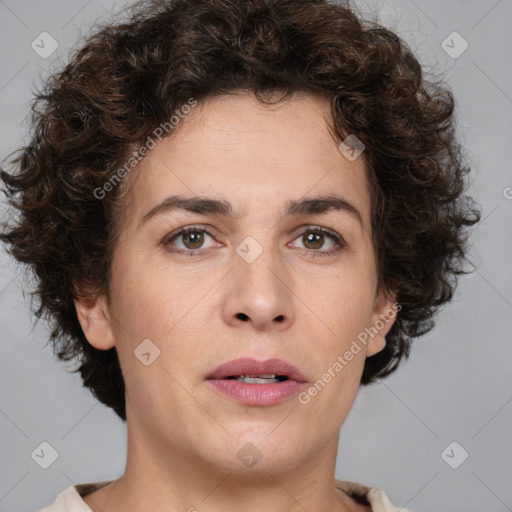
(263, 371)
(258, 383)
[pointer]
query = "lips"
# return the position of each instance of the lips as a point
(257, 383)
(248, 367)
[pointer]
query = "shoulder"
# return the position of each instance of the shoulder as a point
(70, 499)
(368, 495)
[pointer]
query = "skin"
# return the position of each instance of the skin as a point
(183, 436)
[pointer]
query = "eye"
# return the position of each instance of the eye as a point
(188, 239)
(314, 239)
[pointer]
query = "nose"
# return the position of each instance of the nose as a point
(259, 294)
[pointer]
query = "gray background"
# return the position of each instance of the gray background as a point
(456, 386)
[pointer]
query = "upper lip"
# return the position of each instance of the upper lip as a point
(252, 367)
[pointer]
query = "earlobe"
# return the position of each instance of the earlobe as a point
(94, 319)
(383, 318)
(375, 344)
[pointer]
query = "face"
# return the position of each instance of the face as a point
(279, 277)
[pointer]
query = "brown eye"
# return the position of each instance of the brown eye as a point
(193, 239)
(313, 240)
(188, 240)
(320, 241)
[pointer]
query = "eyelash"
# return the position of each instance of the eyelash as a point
(310, 229)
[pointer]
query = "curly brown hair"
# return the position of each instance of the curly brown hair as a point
(130, 76)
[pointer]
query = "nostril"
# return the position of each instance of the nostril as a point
(242, 316)
(279, 318)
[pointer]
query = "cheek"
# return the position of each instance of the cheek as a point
(329, 398)
(346, 303)
(149, 303)
(150, 300)
(345, 311)
(156, 318)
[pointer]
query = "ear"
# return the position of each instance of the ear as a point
(95, 321)
(384, 315)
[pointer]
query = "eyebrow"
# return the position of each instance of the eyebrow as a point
(205, 205)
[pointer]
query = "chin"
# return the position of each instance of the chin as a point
(253, 452)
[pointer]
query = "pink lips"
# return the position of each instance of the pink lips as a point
(257, 394)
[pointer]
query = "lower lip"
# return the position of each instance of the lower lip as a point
(257, 394)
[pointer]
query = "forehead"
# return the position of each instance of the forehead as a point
(256, 156)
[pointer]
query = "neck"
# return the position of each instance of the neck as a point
(172, 478)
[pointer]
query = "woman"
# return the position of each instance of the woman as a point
(237, 212)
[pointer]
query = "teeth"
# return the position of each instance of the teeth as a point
(262, 376)
(257, 380)
(266, 378)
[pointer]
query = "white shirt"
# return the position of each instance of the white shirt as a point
(70, 500)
